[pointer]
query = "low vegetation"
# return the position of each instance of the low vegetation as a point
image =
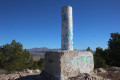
(14, 58)
(110, 56)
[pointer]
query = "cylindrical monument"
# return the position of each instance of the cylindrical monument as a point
(67, 28)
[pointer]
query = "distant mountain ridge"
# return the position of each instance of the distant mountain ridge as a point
(41, 50)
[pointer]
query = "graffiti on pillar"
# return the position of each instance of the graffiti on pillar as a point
(67, 29)
(64, 17)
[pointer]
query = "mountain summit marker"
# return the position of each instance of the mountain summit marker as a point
(61, 65)
(67, 28)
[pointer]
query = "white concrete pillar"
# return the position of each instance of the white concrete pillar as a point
(67, 28)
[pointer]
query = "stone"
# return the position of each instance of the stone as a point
(101, 70)
(37, 71)
(113, 74)
(65, 64)
(87, 76)
(2, 71)
(29, 71)
(13, 76)
(113, 69)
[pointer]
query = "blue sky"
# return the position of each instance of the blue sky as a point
(37, 23)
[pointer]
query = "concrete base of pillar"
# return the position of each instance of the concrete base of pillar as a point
(64, 64)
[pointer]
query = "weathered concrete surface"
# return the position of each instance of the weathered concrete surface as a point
(67, 28)
(65, 64)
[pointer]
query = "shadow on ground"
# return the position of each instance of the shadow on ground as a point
(30, 77)
(42, 76)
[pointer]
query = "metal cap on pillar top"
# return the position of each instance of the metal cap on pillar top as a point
(67, 29)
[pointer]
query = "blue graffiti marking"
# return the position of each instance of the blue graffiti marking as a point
(65, 48)
(70, 32)
(64, 17)
(83, 58)
(65, 40)
(89, 60)
(72, 41)
(68, 60)
(76, 60)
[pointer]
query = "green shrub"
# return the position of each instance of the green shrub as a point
(14, 58)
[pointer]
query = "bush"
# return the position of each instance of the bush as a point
(14, 58)
(41, 63)
(99, 60)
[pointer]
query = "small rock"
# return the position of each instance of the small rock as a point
(29, 71)
(114, 69)
(37, 71)
(101, 70)
(2, 71)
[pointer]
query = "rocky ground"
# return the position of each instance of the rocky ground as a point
(23, 75)
(112, 73)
